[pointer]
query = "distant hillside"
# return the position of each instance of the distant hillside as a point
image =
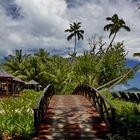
(134, 89)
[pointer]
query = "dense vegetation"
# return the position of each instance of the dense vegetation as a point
(16, 115)
(127, 117)
(94, 68)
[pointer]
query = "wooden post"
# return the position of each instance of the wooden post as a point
(35, 118)
(11, 86)
(113, 123)
(7, 87)
(101, 107)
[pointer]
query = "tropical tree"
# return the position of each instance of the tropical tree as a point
(115, 26)
(34, 69)
(42, 55)
(75, 32)
(14, 63)
(61, 74)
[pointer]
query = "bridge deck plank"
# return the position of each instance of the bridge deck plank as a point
(72, 117)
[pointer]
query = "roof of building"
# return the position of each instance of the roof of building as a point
(18, 80)
(5, 74)
(32, 82)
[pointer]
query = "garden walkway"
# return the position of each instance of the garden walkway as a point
(72, 117)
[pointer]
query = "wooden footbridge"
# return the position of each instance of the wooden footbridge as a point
(83, 115)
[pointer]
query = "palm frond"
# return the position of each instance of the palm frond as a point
(115, 16)
(107, 27)
(70, 36)
(80, 36)
(79, 24)
(122, 21)
(68, 30)
(81, 31)
(108, 18)
(126, 28)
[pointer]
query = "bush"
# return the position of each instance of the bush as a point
(16, 115)
(127, 117)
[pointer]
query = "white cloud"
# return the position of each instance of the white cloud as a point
(43, 23)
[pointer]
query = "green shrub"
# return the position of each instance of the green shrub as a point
(127, 116)
(16, 115)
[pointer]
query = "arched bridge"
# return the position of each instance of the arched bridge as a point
(85, 114)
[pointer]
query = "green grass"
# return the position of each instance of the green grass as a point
(16, 115)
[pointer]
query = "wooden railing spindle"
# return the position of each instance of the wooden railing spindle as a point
(102, 105)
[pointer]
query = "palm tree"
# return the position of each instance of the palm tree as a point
(33, 69)
(14, 63)
(18, 57)
(115, 26)
(42, 55)
(75, 32)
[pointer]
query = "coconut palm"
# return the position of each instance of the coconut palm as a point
(75, 32)
(42, 55)
(14, 63)
(34, 69)
(61, 76)
(115, 26)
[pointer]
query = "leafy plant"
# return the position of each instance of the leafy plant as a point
(16, 115)
(127, 117)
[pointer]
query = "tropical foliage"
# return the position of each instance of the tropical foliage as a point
(94, 69)
(16, 115)
(127, 117)
(14, 62)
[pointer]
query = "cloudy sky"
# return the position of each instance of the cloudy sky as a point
(33, 24)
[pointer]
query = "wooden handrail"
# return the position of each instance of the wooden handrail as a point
(102, 105)
(41, 106)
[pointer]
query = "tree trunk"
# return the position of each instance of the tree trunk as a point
(112, 39)
(74, 51)
(75, 45)
(120, 78)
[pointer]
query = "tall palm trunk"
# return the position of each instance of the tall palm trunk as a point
(112, 39)
(75, 45)
(74, 51)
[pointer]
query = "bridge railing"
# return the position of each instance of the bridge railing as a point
(41, 106)
(102, 105)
